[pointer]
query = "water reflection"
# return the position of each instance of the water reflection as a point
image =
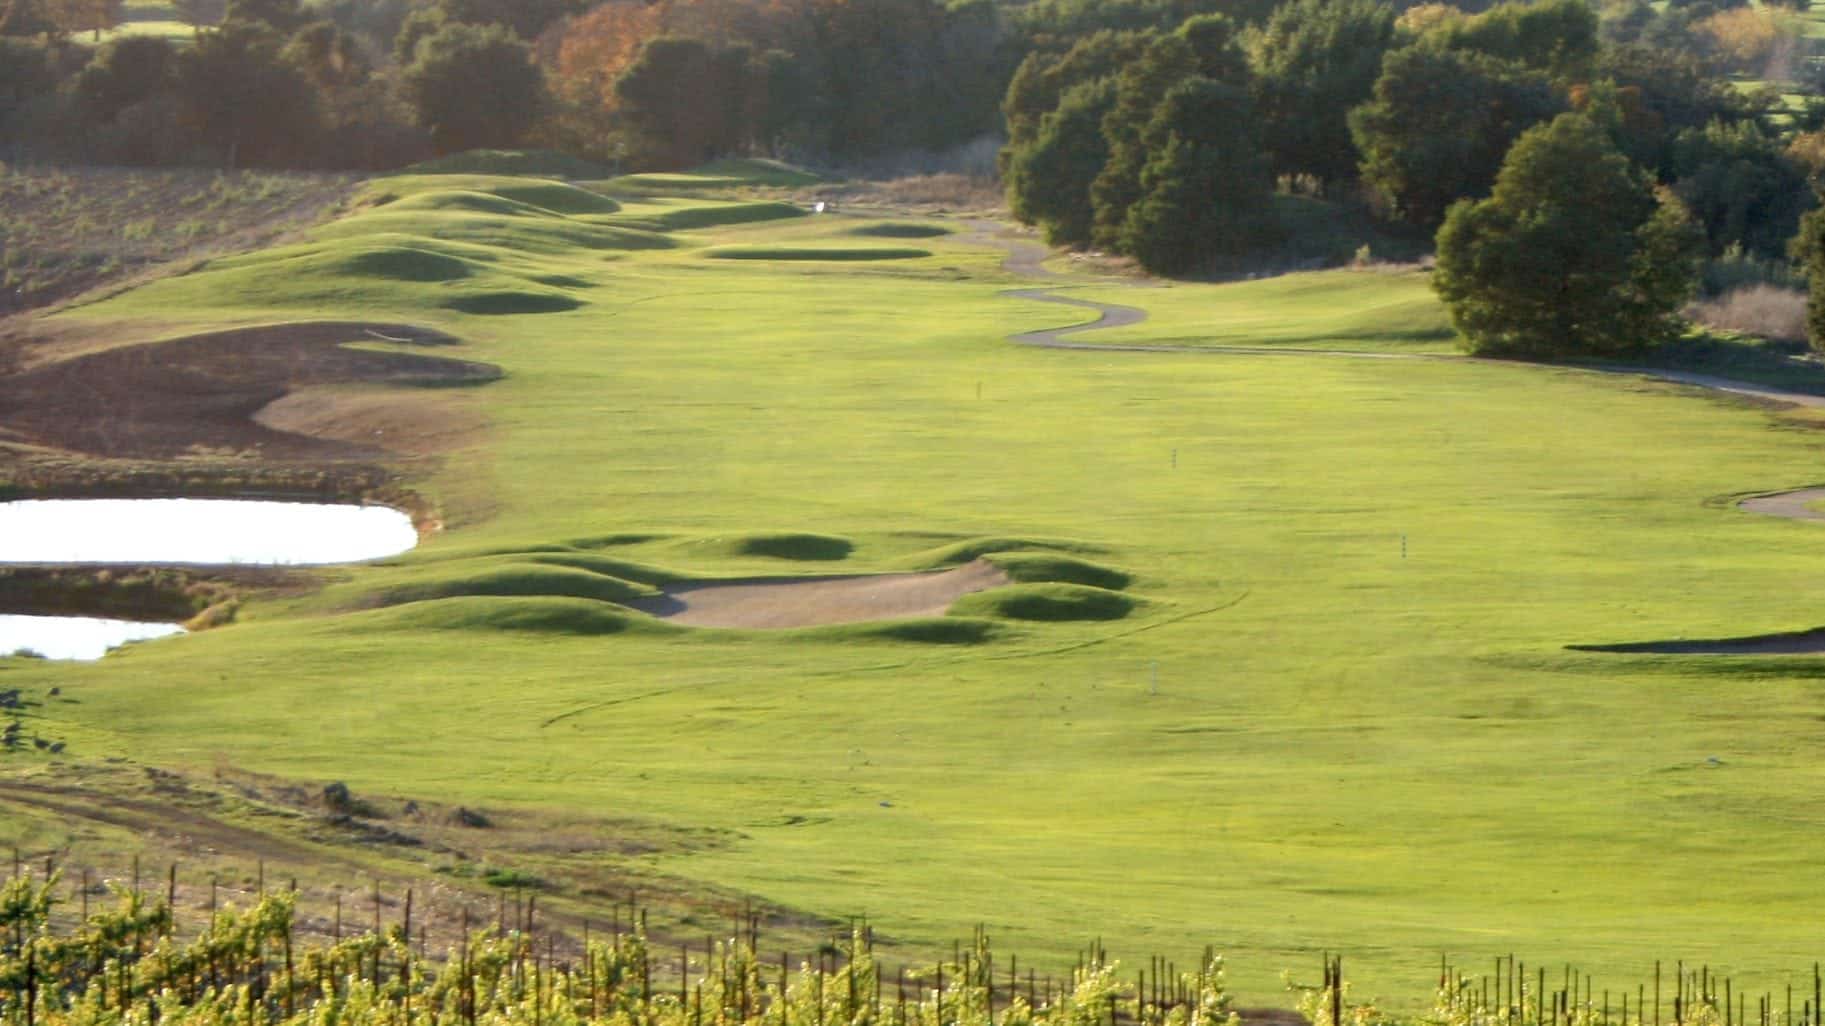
(73, 637)
(198, 531)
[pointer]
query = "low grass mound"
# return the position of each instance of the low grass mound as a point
(526, 579)
(562, 281)
(1046, 567)
(719, 214)
(511, 301)
(542, 614)
(533, 163)
(838, 253)
(624, 569)
(900, 230)
(470, 201)
(559, 198)
(960, 552)
(781, 545)
(405, 263)
(924, 630)
(1047, 602)
(607, 541)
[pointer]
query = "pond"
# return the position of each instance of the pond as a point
(199, 532)
(74, 637)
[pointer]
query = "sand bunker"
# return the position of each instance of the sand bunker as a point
(773, 602)
(1795, 505)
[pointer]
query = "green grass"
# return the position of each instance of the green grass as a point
(1377, 309)
(1047, 602)
(816, 253)
(1342, 719)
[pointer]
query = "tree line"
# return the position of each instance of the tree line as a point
(1641, 158)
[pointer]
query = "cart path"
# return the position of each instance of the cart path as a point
(1026, 258)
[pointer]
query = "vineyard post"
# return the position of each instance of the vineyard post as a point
(31, 977)
(170, 898)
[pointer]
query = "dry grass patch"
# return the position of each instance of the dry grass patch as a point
(1766, 311)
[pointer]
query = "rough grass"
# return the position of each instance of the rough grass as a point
(931, 630)
(1054, 601)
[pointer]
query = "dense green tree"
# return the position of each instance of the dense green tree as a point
(1048, 181)
(123, 72)
(527, 18)
(1673, 92)
(1558, 37)
(1042, 78)
(1313, 62)
(238, 97)
(686, 99)
(331, 57)
(473, 86)
(1206, 189)
(421, 24)
(1139, 89)
(1809, 249)
(1439, 124)
(283, 16)
(1741, 186)
(1571, 255)
(200, 14)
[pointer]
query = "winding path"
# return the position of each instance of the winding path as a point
(1027, 259)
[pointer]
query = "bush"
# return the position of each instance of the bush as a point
(1572, 255)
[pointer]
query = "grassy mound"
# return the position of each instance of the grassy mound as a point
(405, 263)
(716, 215)
(1045, 567)
(814, 253)
(1047, 602)
(782, 545)
(469, 201)
(624, 569)
(957, 553)
(900, 230)
(538, 614)
(537, 163)
(559, 198)
(522, 579)
(511, 301)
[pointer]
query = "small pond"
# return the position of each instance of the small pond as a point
(199, 531)
(74, 637)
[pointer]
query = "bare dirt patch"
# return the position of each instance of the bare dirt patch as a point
(775, 602)
(200, 395)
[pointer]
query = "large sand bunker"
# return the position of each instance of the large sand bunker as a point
(1795, 505)
(773, 602)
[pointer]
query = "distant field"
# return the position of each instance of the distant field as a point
(1315, 694)
(64, 231)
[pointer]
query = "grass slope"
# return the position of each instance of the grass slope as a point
(1343, 719)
